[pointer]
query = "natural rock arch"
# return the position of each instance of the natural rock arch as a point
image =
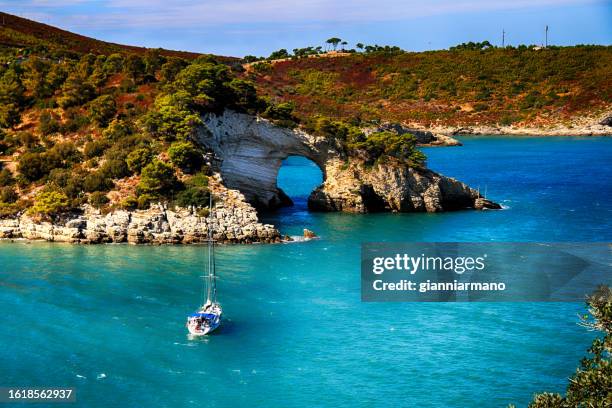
(248, 153)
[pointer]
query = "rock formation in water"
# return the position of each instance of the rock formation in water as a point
(249, 152)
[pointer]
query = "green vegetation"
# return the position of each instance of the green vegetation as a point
(138, 159)
(591, 384)
(157, 179)
(471, 84)
(49, 203)
(196, 192)
(103, 109)
(185, 156)
(98, 199)
(104, 121)
(372, 148)
(329, 44)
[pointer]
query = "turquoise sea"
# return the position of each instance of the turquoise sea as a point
(109, 320)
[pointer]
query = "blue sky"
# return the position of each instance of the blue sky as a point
(240, 27)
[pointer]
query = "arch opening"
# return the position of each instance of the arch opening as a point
(297, 177)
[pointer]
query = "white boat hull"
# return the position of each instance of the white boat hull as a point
(203, 325)
(202, 330)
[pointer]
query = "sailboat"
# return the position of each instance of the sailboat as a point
(208, 317)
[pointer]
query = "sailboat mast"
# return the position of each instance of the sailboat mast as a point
(211, 294)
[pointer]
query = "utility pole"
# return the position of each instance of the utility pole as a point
(546, 40)
(503, 38)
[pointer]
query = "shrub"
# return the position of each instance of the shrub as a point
(389, 144)
(185, 156)
(27, 139)
(171, 68)
(6, 178)
(591, 383)
(62, 155)
(117, 130)
(157, 178)
(134, 67)
(102, 109)
(76, 91)
(8, 195)
(32, 166)
(74, 121)
(281, 114)
(49, 203)
(171, 119)
(113, 64)
(144, 201)
(196, 192)
(11, 89)
(198, 180)
(193, 196)
(115, 168)
(98, 199)
(129, 203)
(48, 124)
(95, 148)
(282, 110)
(138, 159)
(244, 95)
(10, 210)
(9, 115)
(66, 181)
(205, 82)
(97, 181)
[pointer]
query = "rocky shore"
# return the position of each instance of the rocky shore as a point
(246, 153)
(233, 221)
(584, 126)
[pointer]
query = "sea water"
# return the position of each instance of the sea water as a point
(109, 320)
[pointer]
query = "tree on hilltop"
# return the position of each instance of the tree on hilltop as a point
(334, 41)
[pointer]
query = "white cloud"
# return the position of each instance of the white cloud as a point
(186, 14)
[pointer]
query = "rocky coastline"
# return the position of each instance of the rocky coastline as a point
(233, 221)
(582, 126)
(246, 153)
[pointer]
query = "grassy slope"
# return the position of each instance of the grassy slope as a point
(20, 32)
(497, 86)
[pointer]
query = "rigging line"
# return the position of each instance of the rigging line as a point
(203, 288)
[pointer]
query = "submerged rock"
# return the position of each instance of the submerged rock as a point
(308, 234)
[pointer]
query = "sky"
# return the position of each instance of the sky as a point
(258, 27)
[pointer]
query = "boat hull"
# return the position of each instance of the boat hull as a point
(203, 330)
(205, 320)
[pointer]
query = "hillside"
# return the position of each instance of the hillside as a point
(88, 122)
(119, 129)
(23, 33)
(522, 86)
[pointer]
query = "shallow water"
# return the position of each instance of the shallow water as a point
(109, 320)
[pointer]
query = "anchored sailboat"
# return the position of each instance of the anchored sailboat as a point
(208, 317)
